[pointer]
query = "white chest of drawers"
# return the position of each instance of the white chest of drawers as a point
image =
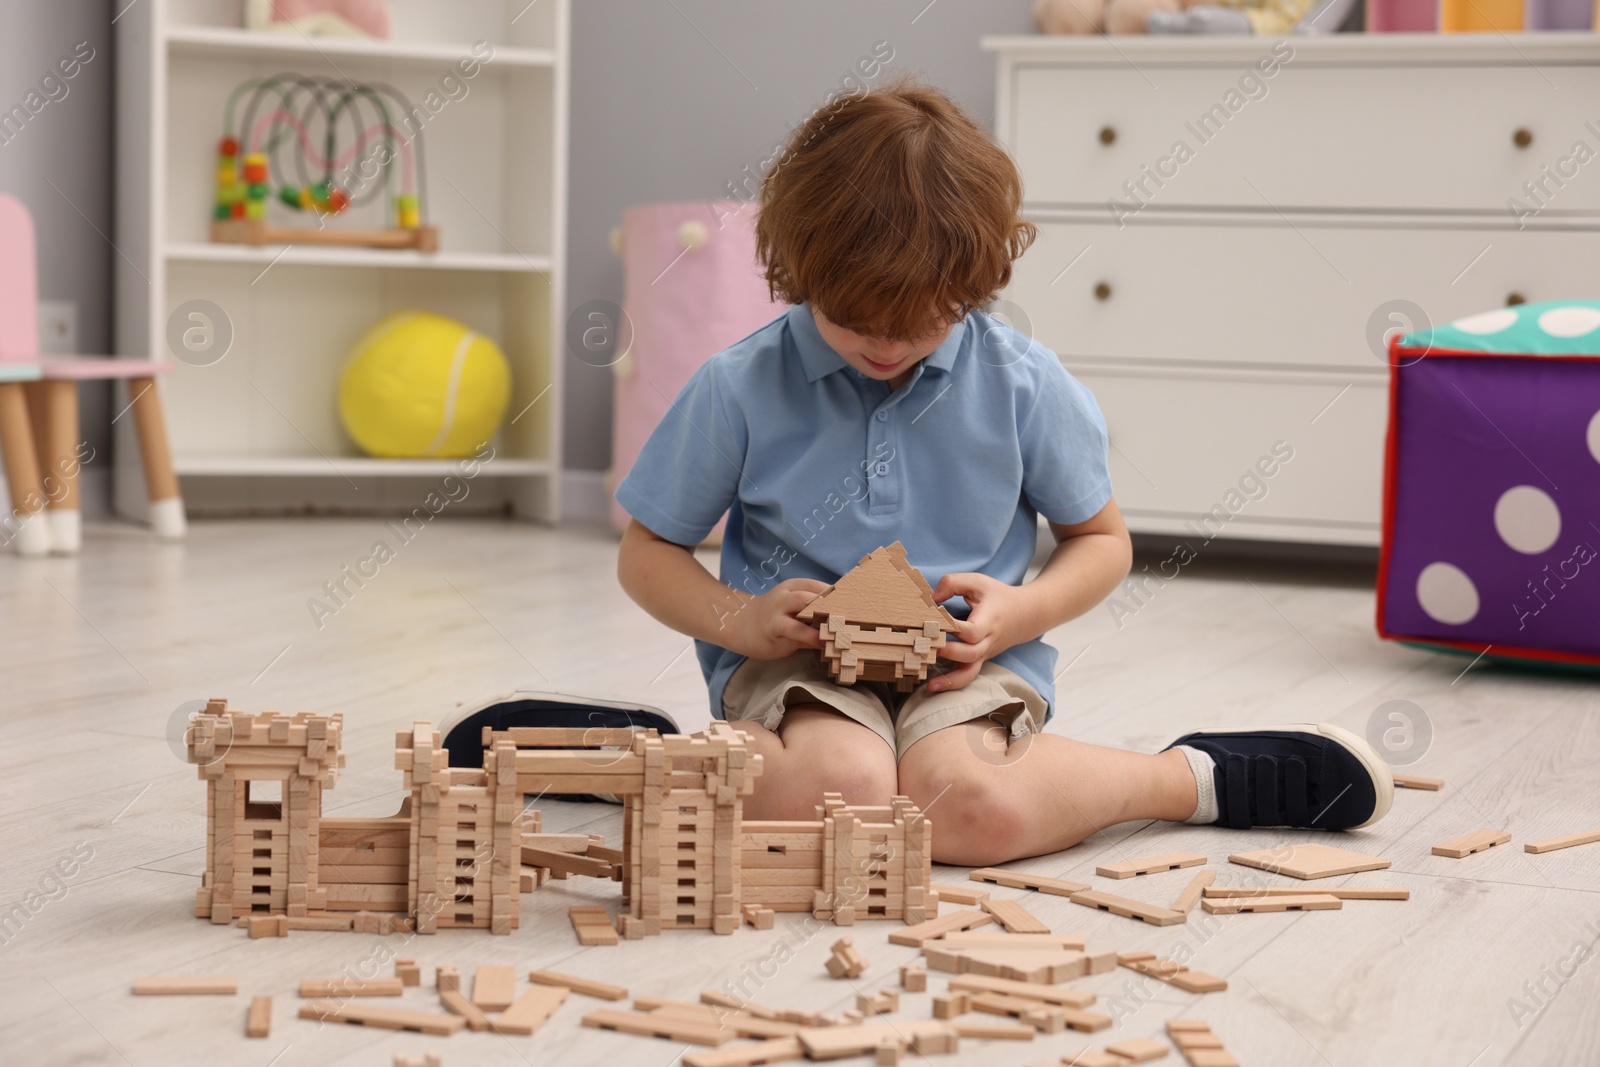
(1227, 226)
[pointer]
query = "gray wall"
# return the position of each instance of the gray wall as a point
(68, 143)
(672, 98)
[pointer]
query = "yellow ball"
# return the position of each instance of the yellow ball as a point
(421, 385)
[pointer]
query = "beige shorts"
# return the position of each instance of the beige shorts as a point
(763, 690)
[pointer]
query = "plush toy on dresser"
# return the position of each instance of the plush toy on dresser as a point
(1268, 17)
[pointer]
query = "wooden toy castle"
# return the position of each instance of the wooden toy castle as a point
(880, 623)
(462, 849)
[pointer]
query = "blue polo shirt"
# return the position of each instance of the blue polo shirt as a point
(817, 464)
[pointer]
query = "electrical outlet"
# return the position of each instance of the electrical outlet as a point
(58, 327)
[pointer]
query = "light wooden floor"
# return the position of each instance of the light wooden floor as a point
(99, 655)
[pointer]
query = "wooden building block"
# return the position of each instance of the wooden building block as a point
(259, 1022)
(889, 1052)
(1285, 902)
(529, 1011)
(1014, 917)
(261, 926)
(1044, 994)
(456, 1003)
(494, 988)
(1150, 865)
(758, 917)
(587, 986)
(1190, 896)
(592, 924)
(916, 934)
(1210, 1057)
(1551, 844)
(776, 1050)
(956, 894)
(446, 977)
(1467, 844)
(1021, 965)
(1132, 909)
(186, 985)
(350, 987)
(964, 939)
(1090, 1057)
(951, 1004)
(1188, 1026)
(408, 972)
(427, 1059)
(1195, 1040)
(1308, 861)
(994, 1031)
(344, 1011)
(882, 1002)
(913, 979)
(669, 1028)
(845, 961)
(1016, 880)
(1343, 893)
(1139, 1049)
(1416, 781)
(1173, 973)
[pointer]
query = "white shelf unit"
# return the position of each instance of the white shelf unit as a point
(258, 432)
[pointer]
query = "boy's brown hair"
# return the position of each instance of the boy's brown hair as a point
(891, 213)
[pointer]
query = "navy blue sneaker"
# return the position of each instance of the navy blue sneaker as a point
(1311, 775)
(462, 729)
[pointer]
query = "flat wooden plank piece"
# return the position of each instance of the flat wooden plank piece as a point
(994, 1031)
(1343, 892)
(777, 1050)
(670, 1028)
(494, 988)
(1150, 865)
(1139, 1049)
(587, 986)
(957, 894)
(1417, 781)
(1551, 844)
(186, 985)
(1045, 994)
(1014, 917)
(351, 987)
(1465, 845)
(1132, 909)
(344, 1011)
(1089, 1057)
(259, 1022)
(457, 1003)
(1308, 861)
(1016, 880)
(529, 1011)
(1288, 902)
(997, 939)
(917, 933)
(1190, 896)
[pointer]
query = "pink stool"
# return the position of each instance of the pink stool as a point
(39, 435)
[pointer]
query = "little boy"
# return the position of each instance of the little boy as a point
(885, 405)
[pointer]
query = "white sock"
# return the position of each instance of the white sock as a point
(1205, 786)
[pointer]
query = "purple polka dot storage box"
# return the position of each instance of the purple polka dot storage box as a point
(1491, 501)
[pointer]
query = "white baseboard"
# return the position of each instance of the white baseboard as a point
(585, 497)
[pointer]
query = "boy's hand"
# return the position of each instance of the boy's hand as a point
(765, 627)
(985, 632)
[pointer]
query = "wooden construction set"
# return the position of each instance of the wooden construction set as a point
(462, 849)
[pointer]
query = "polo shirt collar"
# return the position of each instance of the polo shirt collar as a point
(820, 360)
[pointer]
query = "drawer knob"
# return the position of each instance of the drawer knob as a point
(1523, 137)
(1515, 298)
(1108, 134)
(1102, 291)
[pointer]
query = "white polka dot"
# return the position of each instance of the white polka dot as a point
(1488, 322)
(1570, 321)
(1527, 519)
(1447, 594)
(1594, 437)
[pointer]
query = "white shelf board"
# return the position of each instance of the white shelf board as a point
(324, 256)
(351, 466)
(211, 40)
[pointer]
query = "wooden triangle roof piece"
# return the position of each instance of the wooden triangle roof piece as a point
(882, 590)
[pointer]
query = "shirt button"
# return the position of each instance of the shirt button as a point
(882, 468)
(883, 416)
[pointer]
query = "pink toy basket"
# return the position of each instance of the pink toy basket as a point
(691, 287)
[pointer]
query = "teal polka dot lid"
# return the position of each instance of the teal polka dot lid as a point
(1553, 328)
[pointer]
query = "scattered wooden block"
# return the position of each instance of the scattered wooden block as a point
(529, 1011)
(1551, 844)
(1139, 1049)
(408, 972)
(1284, 902)
(845, 962)
(186, 985)
(1343, 893)
(758, 917)
(964, 939)
(345, 1011)
(1198, 1044)
(880, 1003)
(1045, 994)
(1416, 781)
(917, 933)
(1187, 1026)
(1021, 965)
(261, 926)
(777, 1050)
(663, 1026)
(862, 1039)
(1196, 1040)
(350, 987)
(592, 924)
(1150, 865)
(951, 1004)
(1131, 909)
(446, 977)
(913, 979)
(456, 1003)
(1014, 917)
(1307, 861)
(1190, 896)
(1173, 973)
(889, 1052)
(994, 1031)
(427, 1059)
(956, 894)
(587, 986)
(1465, 845)
(259, 1022)
(494, 988)
(1089, 1057)
(1015, 880)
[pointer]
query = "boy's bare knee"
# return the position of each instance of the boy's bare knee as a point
(977, 818)
(835, 754)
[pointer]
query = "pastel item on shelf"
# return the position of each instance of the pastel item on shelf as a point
(321, 18)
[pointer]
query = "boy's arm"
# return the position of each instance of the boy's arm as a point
(667, 581)
(1090, 558)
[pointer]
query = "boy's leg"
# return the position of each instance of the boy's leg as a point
(992, 799)
(815, 750)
